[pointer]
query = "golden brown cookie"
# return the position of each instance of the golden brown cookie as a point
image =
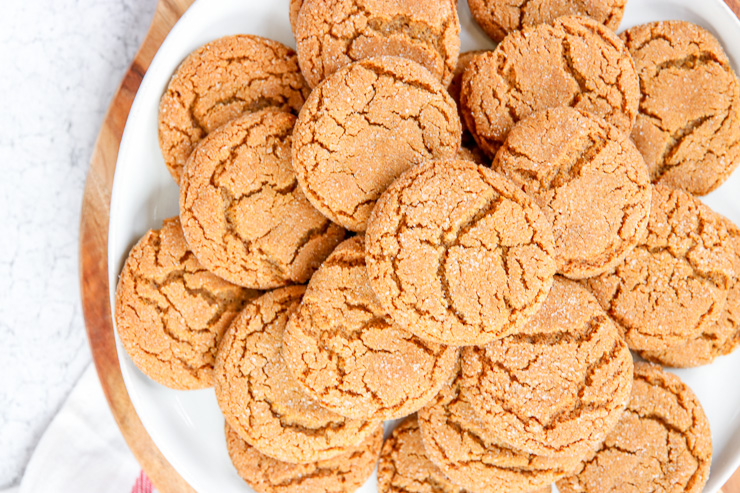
(574, 61)
(220, 81)
(688, 126)
(661, 444)
(261, 400)
(674, 284)
(344, 349)
(294, 9)
(364, 126)
(333, 33)
(171, 312)
(558, 386)
(457, 254)
(474, 155)
(242, 211)
(344, 473)
(590, 181)
(456, 83)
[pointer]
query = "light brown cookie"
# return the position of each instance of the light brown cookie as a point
(242, 211)
(575, 61)
(293, 11)
(344, 473)
(662, 443)
(220, 81)
(456, 83)
(457, 254)
(590, 181)
(688, 126)
(674, 284)
(474, 155)
(333, 33)
(344, 349)
(261, 400)
(364, 126)
(171, 312)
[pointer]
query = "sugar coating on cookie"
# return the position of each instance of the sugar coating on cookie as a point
(662, 443)
(574, 61)
(171, 312)
(220, 81)
(242, 210)
(345, 350)
(364, 126)
(688, 126)
(674, 284)
(458, 254)
(262, 401)
(333, 33)
(344, 473)
(590, 181)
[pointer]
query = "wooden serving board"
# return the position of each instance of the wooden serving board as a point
(94, 256)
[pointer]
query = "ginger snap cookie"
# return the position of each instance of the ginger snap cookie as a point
(171, 312)
(261, 400)
(333, 33)
(242, 210)
(220, 81)
(458, 254)
(674, 284)
(344, 473)
(590, 181)
(293, 10)
(574, 61)
(688, 126)
(662, 443)
(364, 126)
(345, 350)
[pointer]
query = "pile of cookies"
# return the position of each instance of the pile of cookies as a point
(378, 227)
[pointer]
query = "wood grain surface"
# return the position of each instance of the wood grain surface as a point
(94, 260)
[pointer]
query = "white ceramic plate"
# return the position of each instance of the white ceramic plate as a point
(188, 426)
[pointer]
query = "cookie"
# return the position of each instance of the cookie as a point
(344, 473)
(171, 312)
(662, 443)
(456, 83)
(589, 180)
(261, 400)
(293, 10)
(345, 350)
(243, 213)
(364, 126)
(574, 61)
(457, 254)
(674, 284)
(688, 126)
(333, 33)
(220, 81)
(474, 155)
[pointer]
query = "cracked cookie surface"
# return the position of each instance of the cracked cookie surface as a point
(344, 349)
(171, 312)
(661, 444)
(458, 254)
(688, 126)
(220, 81)
(590, 181)
(261, 400)
(575, 61)
(242, 210)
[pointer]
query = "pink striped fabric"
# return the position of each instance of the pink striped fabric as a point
(143, 484)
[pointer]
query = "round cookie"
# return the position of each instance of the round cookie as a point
(456, 86)
(662, 443)
(294, 10)
(589, 180)
(558, 386)
(333, 33)
(457, 254)
(220, 81)
(575, 61)
(242, 210)
(364, 126)
(171, 312)
(674, 284)
(344, 473)
(261, 400)
(688, 126)
(344, 349)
